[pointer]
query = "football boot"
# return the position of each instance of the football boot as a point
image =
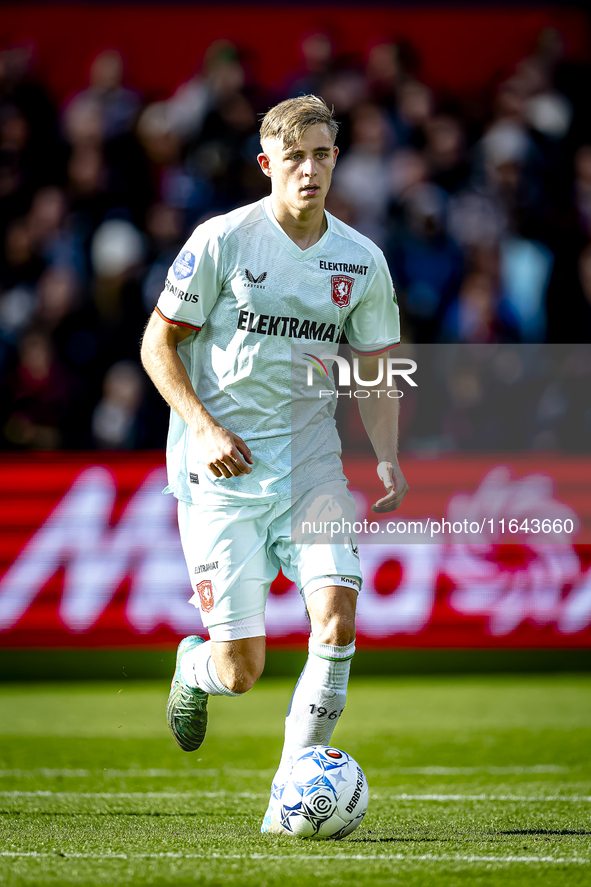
(186, 711)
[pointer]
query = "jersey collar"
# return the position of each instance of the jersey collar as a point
(291, 247)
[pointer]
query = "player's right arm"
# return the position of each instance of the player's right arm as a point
(224, 453)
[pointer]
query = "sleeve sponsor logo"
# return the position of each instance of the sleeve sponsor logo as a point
(341, 287)
(180, 293)
(184, 265)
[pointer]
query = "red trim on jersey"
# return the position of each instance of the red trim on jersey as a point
(176, 322)
(371, 353)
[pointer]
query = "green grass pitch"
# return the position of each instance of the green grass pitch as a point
(474, 780)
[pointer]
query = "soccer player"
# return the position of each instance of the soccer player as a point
(247, 289)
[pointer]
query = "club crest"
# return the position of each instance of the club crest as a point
(341, 289)
(205, 592)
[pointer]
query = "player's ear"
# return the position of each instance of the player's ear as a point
(265, 163)
(335, 154)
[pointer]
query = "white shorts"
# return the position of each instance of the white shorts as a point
(234, 553)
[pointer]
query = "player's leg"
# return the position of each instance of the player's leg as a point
(329, 578)
(321, 692)
(225, 667)
(226, 556)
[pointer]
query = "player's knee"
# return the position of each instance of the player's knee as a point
(241, 679)
(239, 663)
(337, 630)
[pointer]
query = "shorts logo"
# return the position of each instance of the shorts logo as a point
(205, 592)
(184, 265)
(341, 289)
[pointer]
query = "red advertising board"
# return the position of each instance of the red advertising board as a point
(460, 49)
(90, 555)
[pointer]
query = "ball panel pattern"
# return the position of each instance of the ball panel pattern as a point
(324, 796)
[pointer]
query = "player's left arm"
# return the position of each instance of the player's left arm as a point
(373, 327)
(380, 418)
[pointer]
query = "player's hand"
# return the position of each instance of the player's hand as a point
(393, 479)
(224, 453)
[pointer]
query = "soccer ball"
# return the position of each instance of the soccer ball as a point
(325, 794)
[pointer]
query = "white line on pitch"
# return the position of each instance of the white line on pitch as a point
(195, 795)
(131, 795)
(316, 857)
(150, 772)
(454, 797)
(467, 771)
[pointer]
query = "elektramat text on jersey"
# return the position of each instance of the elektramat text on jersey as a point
(343, 266)
(293, 327)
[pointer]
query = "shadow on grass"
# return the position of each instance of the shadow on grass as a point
(397, 840)
(543, 831)
(425, 839)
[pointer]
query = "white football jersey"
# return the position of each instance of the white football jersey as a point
(257, 303)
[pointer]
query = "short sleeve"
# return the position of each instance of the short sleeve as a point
(194, 280)
(374, 324)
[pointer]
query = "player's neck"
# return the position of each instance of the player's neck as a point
(304, 228)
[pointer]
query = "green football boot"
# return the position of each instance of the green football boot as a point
(186, 711)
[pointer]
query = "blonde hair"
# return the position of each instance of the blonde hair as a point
(290, 119)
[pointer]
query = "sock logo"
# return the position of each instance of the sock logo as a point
(205, 591)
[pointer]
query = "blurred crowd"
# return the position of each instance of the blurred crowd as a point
(482, 207)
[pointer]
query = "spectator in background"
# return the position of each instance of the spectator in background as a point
(30, 152)
(51, 235)
(426, 262)
(361, 177)
(226, 154)
(222, 75)
(98, 124)
(37, 396)
(317, 53)
(164, 225)
(20, 263)
(582, 188)
(479, 315)
(117, 254)
(580, 305)
(116, 420)
(413, 112)
(117, 105)
(170, 181)
(446, 153)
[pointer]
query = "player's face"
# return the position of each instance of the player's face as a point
(301, 173)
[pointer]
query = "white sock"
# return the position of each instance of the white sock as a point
(318, 699)
(198, 670)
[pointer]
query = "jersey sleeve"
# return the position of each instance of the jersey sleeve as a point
(374, 325)
(194, 280)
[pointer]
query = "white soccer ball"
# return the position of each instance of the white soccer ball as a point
(325, 794)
